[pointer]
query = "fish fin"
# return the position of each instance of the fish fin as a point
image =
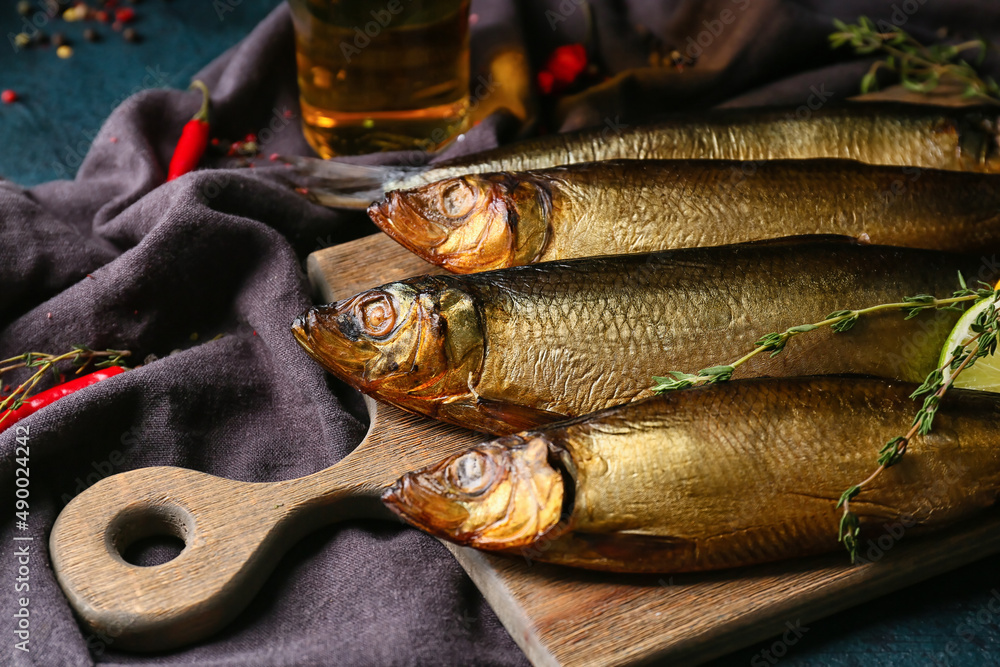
(811, 238)
(518, 417)
(338, 184)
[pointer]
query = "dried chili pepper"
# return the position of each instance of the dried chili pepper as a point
(194, 139)
(39, 401)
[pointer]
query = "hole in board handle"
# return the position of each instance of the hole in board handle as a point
(150, 535)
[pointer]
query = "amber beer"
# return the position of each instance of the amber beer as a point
(377, 75)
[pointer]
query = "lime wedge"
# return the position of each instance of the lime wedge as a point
(985, 374)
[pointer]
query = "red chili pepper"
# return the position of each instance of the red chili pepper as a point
(193, 141)
(39, 401)
(564, 66)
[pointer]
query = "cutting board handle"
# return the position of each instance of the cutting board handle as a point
(234, 532)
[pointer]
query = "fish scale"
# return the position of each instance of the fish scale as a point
(562, 339)
(632, 206)
(574, 369)
(874, 133)
(729, 475)
(744, 490)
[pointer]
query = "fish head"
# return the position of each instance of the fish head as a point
(415, 339)
(499, 495)
(469, 223)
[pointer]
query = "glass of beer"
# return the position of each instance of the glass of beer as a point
(380, 75)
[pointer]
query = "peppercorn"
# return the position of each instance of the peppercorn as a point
(125, 15)
(24, 8)
(22, 39)
(91, 35)
(130, 35)
(64, 52)
(58, 39)
(8, 97)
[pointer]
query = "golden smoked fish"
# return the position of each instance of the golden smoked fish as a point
(490, 221)
(506, 350)
(725, 476)
(927, 137)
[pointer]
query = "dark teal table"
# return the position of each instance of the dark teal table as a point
(947, 621)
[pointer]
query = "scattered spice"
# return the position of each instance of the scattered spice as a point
(8, 96)
(24, 8)
(22, 39)
(130, 35)
(58, 39)
(247, 146)
(125, 15)
(64, 51)
(113, 140)
(194, 138)
(91, 35)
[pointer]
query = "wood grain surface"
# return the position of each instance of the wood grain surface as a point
(561, 616)
(235, 532)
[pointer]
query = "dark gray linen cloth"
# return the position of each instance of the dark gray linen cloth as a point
(119, 259)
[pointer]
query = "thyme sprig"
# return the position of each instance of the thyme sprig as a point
(839, 321)
(920, 68)
(962, 357)
(81, 357)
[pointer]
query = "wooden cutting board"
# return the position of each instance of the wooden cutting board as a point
(561, 616)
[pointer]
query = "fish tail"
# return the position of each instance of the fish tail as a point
(338, 184)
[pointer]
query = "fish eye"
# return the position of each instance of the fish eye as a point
(471, 473)
(457, 198)
(377, 315)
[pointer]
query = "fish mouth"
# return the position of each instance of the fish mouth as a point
(400, 221)
(326, 344)
(419, 500)
(425, 509)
